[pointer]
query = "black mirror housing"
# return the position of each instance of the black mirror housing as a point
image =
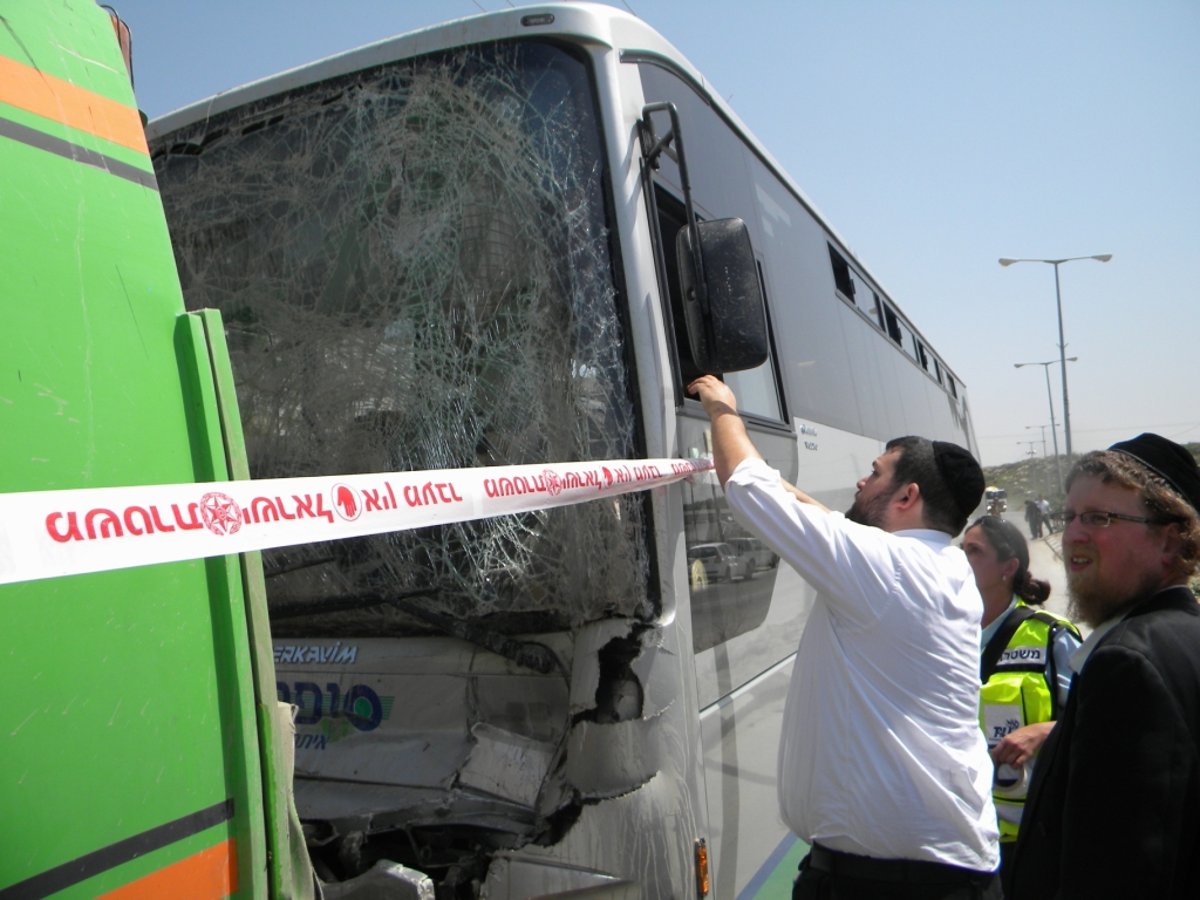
(722, 296)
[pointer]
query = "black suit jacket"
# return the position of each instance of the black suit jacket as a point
(1114, 807)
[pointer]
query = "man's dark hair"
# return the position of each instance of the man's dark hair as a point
(949, 478)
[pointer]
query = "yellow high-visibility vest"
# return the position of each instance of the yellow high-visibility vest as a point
(1021, 689)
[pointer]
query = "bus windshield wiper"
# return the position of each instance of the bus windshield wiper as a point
(341, 603)
(530, 654)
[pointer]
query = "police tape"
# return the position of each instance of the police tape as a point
(47, 534)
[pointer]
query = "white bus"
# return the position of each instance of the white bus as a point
(458, 247)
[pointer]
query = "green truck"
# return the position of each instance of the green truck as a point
(141, 733)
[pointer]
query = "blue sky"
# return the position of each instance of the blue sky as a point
(936, 136)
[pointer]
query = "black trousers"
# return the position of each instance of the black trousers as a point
(830, 875)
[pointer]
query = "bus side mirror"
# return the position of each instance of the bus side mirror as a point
(722, 297)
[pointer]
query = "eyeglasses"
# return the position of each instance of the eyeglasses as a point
(1103, 518)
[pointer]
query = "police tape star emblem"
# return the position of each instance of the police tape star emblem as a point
(221, 513)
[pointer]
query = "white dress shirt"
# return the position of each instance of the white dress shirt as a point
(881, 752)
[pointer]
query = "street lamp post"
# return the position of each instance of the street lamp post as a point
(1050, 398)
(1062, 344)
(1043, 427)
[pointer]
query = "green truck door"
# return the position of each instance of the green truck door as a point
(135, 705)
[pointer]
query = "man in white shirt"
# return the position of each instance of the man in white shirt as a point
(882, 766)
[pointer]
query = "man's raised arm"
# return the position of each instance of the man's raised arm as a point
(731, 442)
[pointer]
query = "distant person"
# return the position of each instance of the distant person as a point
(1043, 506)
(1033, 518)
(883, 769)
(1024, 668)
(1114, 809)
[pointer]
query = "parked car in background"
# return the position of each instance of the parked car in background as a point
(755, 552)
(721, 562)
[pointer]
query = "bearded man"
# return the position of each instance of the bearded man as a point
(882, 766)
(1114, 808)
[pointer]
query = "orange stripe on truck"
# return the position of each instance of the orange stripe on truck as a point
(207, 875)
(53, 98)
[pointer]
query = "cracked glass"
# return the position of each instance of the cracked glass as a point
(413, 265)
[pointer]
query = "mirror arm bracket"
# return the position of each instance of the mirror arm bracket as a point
(660, 145)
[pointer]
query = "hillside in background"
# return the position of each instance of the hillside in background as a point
(1036, 476)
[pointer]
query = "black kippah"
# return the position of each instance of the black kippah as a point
(961, 473)
(1168, 460)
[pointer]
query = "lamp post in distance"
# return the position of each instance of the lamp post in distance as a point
(1043, 427)
(1062, 344)
(1050, 399)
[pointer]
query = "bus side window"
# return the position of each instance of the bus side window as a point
(892, 324)
(843, 280)
(877, 311)
(759, 390)
(671, 219)
(922, 356)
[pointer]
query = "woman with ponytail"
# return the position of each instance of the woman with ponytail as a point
(1023, 664)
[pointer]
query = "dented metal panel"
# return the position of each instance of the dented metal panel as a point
(506, 764)
(421, 736)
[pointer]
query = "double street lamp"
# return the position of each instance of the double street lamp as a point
(1062, 344)
(1043, 428)
(1050, 397)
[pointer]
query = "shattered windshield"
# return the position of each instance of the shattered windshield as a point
(414, 270)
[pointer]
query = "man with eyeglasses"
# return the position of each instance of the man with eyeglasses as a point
(1114, 808)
